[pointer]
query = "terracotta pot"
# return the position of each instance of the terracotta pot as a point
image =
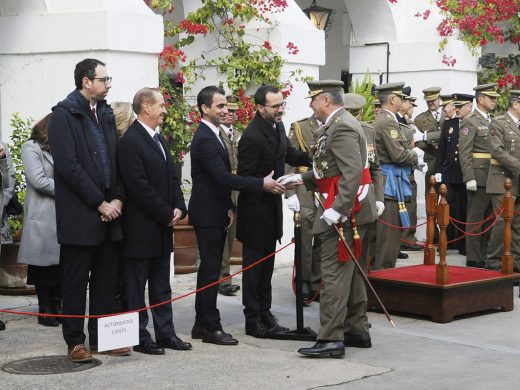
(184, 248)
(13, 276)
(236, 253)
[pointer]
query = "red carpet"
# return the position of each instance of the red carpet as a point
(426, 274)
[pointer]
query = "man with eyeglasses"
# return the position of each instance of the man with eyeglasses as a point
(89, 201)
(263, 148)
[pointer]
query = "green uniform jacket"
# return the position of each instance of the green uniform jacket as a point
(232, 148)
(426, 123)
(391, 144)
(474, 138)
(341, 150)
(505, 145)
(309, 130)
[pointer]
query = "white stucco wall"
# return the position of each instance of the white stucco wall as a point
(41, 41)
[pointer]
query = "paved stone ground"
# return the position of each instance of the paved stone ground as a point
(474, 352)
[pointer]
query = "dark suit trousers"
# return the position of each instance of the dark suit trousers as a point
(97, 267)
(256, 282)
(155, 270)
(210, 241)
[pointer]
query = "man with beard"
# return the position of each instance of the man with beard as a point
(475, 155)
(263, 148)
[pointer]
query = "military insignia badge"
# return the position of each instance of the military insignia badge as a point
(394, 134)
(465, 131)
(492, 131)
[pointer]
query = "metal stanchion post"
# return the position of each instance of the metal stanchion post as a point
(301, 333)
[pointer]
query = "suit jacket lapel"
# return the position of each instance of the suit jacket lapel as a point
(48, 157)
(149, 140)
(209, 133)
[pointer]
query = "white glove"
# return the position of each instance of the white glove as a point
(418, 136)
(424, 168)
(293, 203)
(380, 207)
(292, 178)
(331, 216)
(419, 152)
(438, 177)
(471, 185)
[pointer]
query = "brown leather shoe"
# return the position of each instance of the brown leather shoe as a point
(125, 351)
(79, 353)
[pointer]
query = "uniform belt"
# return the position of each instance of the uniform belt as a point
(494, 162)
(302, 169)
(482, 155)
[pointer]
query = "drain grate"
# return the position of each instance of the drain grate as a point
(47, 365)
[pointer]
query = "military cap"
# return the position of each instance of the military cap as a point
(459, 99)
(321, 86)
(232, 102)
(377, 103)
(447, 99)
(354, 101)
(487, 89)
(514, 95)
(431, 93)
(391, 88)
(412, 100)
(407, 91)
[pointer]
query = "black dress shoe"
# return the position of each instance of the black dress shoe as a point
(257, 329)
(2, 325)
(402, 255)
(197, 332)
(358, 341)
(412, 247)
(228, 289)
(476, 263)
(219, 337)
(311, 296)
(272, 324)
(334, 349)
(149, 347)
(174, 343)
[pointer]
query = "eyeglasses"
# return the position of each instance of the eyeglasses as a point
(106, 80)
(276, 106)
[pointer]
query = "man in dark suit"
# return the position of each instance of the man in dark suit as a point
(89, 195)
(211, 208)
(155, 203)
(263, 148)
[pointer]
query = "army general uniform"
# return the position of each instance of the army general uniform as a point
(394, 154)
(330, 162)
(505, 163)
(303, 136)
(475, 156)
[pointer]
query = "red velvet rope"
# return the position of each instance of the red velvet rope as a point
(400, 227)
(151, 306)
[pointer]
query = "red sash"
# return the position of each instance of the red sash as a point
(329, 186)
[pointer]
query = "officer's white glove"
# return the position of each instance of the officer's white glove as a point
(471, 185)
(293, 203)
(292, 178)
(419, 152)
(331, 216)
(438, 177)
(380, 207)
(418, 136)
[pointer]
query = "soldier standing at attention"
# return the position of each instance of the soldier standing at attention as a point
(475, 156)
(448, 170)
(430, 124)
(505, 163)
(303, 136)
(397, 159)
(372, 206)
(337, 176)
(230, 136)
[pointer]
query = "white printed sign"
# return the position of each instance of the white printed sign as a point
(118, 331)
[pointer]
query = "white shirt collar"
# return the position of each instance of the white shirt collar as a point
(331, 115)
(515, 119)
(391, 113)
(213, 128)
(148, 129)
(485, 115)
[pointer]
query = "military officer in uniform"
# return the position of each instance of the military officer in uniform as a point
(366, 217)
(475, 156)
(337, 176)
(504, 138)
(396, 158)
(448, 170)
(302, 136)
(230, 136)
(430, 124)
